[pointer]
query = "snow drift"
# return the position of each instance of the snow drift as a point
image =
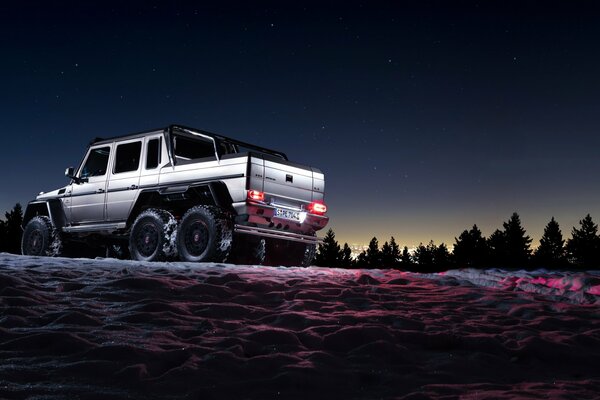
(98, 329)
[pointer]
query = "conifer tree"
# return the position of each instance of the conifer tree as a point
(424, 256)
(371, 257)
(406, 260)
(441, 257)
(463, 249)
(390, 254)
(395, 252)
(347, 261)
(471, 249)
(2, 236)
(497, 247)
(584, 246)
(14, 220)
(329, 253)
(551, 252)
(517, 243)
(373, 254)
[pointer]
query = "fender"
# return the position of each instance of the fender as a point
(180, 198)
(51, 208)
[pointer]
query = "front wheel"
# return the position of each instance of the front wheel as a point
(204, 234)
(40, 238)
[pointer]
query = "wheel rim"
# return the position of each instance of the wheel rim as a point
(147, 239)
(35, 242)
(196, 238)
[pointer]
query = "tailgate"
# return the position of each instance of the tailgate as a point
(286, 183)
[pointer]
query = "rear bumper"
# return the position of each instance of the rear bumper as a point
(271, 233)
(259, 219)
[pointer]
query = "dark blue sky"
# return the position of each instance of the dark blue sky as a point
(426, 117)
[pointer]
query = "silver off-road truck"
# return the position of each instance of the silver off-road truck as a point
(182, 192)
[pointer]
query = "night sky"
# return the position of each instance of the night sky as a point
(426, 117)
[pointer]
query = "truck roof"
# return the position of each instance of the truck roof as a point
(174, 128)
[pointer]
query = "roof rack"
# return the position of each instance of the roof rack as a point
(231, 141)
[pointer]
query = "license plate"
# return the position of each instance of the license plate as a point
(287, 214)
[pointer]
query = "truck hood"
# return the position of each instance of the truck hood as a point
(51, 195)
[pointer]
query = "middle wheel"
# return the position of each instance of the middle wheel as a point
(151, 235)
(204, 234)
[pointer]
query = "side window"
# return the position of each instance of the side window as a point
(128, 157)
(96, 163)
(190, 149)
(153, 154)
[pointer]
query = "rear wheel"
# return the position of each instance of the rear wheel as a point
(204, 234)
(151, 237)
(117, 250)
(40, 238)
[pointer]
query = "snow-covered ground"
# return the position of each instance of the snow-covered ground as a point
(108, 329)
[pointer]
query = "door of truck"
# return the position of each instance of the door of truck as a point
(123, 185)
(88, 197)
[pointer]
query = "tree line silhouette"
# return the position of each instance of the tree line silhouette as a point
(10, 230)
(509, 247)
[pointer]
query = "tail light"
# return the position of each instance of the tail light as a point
(317, 207)
(256, 195)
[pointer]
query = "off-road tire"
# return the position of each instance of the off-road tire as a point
(40, 238)
(151, 237)
(204, 234)
(287, 253)
(120, 251)
(247, 250)
(309, 255)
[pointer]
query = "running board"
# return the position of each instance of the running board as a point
(94, 228)
(270, 233)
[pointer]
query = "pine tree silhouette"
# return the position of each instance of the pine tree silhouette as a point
(517, 243)
(406, 260)
(510, 248)
(14, 220)
(347, 261)
(329, 253)
(390, 254)
(551, 252)
(3, 236)
(498, 248)
(583, 248)
(471, 249)
(441, 257)
(424, 256)
(371, 257)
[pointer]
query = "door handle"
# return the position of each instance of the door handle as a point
(99, 190)
(133, 187)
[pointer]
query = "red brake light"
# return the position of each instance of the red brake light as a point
(256, 195)
(317, 207)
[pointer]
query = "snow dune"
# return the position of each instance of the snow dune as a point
(100, 329)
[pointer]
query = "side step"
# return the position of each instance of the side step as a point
(264, 232)
(94, 227)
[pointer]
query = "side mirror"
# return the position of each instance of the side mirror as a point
(70, 173)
